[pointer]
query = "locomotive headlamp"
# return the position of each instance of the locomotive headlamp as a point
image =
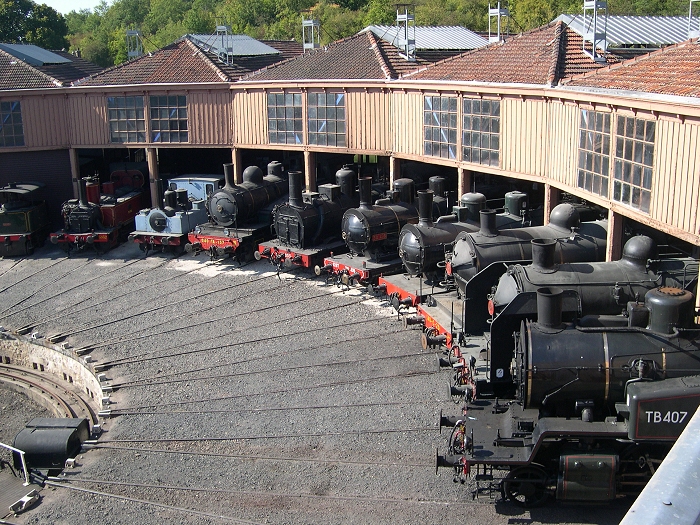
(226, 232)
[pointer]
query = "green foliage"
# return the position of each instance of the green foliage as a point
(31, 23)
(101, 33)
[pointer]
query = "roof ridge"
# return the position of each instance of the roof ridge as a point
(223, 76)
(379, 53)
(51, 79)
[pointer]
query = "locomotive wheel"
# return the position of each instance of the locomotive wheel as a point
(526, 486)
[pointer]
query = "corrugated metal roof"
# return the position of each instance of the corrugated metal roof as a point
(437, 37)
(34, 55)
(236, 45)
(637, 30)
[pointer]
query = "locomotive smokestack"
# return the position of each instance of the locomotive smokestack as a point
(437, 184)
(425, 207)
(543, 253)
(82, 192)
(487, 221)
(365, 192)
(346, 179)
(295, 178)
(159, 185)
(549, 301)
(228, 176)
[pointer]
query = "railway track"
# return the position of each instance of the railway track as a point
(62, 401)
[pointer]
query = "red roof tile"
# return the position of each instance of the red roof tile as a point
(17, 74)
(183, 62)
(673, 70)
(542, 56)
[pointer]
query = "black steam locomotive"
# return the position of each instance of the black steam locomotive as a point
(371, 231)
(591, 408)
(307, 227)
(422, 246)
(24, 222)
(240, 215)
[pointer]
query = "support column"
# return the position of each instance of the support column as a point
(614, 250)
(74, 170)
(310, 170)
(394, 170)
(551, 199)
(153, 175)
(237, 160)
(464, 182)
(697, 300)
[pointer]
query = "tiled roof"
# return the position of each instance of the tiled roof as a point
(361, 56)
(183, 62)
(17, 74)
(542, 56)
(674, 70)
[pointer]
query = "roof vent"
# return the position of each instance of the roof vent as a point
(311, 32)
(595, 26)
(693, 32)
(406, 26)
(498, 13)
(134, 43)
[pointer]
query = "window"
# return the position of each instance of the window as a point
(11, 131)
(634, 159)
(169, 118)
(440, 127)
(326, 119)
(481, 131)
(284, 118)
(127, 122)
(594, 152)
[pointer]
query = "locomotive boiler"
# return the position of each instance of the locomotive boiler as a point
(603, 288)
(373, 230)
(422, 246)
(594, 405)
(240, 215)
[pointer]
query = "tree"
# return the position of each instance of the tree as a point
(46, 28)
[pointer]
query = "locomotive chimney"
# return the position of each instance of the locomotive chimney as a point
(228, 177)
(365, 192)
(543, 253)
(159, 185)
(345, 178)
(549, 301)
(82, 192)
(487, 221)
(183, 199)
(437, 184)
(425, 208)
(295, 200)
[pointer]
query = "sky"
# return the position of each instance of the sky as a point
(66, 6)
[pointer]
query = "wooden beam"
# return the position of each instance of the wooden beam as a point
(614, 249)
(153, 175)
(551, 199)
(310, 170)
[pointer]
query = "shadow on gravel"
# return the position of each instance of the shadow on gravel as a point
(560, 513)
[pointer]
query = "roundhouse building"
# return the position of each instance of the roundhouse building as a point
(537, 107)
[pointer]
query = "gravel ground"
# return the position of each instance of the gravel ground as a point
(246, 398)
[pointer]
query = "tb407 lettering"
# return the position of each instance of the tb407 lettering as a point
(654, 416)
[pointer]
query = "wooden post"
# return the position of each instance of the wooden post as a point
(153, 175)
(614, 249)
(310, 170)
(551, 199)
(74, 170)
(464, 182)
(394, 170)
(237, 160)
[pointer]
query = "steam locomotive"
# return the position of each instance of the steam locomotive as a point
(96, 219)
(307, 227)
(24, 222)
(239, 215)
(183, 208)
(371, 231)
(589, 408)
